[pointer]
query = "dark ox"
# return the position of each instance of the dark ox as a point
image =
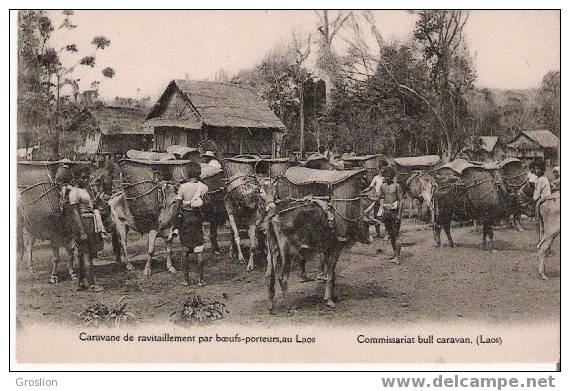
(296, 230)
(479, 194)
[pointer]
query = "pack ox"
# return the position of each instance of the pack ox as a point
(244, 203)
(302, 225)
(466, 191)
(43, 212)
(146, 205)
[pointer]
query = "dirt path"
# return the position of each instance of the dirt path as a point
(431, 284)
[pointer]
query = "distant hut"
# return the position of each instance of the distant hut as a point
(233, 116)
(491, 149)
(112, 131)
(535, 145)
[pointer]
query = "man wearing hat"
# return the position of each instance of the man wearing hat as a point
(211, 160)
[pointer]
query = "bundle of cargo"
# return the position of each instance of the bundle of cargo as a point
(151, 156)
(141, 185)
(479, 183)
(514, 174)
(39, 185)
(406, 166)
(239, 172)
(340, 189)
(39, 193)
(272, 168)
(319, 162)
(369, 162)
(184, 153)
(414, 163)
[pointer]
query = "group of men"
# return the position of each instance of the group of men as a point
(90, 228)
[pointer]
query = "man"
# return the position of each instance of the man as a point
(191, 194)
(210, 158)
(541, 190)
(390, 197)
(87, 231)
(375, 185)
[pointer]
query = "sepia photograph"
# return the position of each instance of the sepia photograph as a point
(286, 186)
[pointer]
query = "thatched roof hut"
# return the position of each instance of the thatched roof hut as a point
(113, 131)
(535, 145)
(233, 116)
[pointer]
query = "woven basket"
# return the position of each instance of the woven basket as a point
(39, 194)
(483, 188)
(233, 168)
(141, 189)
(346, 206)
(514, 174)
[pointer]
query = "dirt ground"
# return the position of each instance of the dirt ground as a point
(431, 284)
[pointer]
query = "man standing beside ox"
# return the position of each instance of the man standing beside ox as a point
(390, 197)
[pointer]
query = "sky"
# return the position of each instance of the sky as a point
(511, 49)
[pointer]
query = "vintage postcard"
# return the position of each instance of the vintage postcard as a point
(317, 186)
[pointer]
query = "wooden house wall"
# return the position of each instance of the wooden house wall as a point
(237, 141)
(165, 136)
(121, 143)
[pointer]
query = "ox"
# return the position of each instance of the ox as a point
(245, 206)
(146, 205)
(299, 228)
(420, 186)
(54, 229)
(42, 211)
(549, 221)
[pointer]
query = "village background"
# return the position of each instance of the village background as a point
(339, 85)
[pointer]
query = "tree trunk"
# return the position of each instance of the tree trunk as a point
(302, 123)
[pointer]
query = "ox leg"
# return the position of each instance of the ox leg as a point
(302, 266)
(54, 278)
(169, 266)
(331, 278)
(237, 241)
(447, 228)
(214, 239)
(121, 230)
(284, 284)
(115, 240)
(71, 249)
(322, 276)
(488, 233)
(270, 276)
(437, 234)
(252, 247)
(29, 253)
(151, 243)
(286, 257)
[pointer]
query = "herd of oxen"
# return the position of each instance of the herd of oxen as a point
(291, 210)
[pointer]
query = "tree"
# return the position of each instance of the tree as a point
(439, 36)
(550, 101)
(43, 107)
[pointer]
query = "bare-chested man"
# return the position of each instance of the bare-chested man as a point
(390, 197)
